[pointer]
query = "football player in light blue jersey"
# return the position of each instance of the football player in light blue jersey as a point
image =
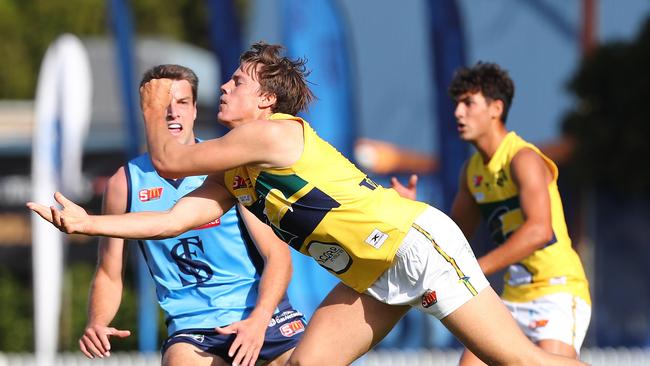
(222, 290)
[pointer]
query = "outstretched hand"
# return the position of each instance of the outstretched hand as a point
(70, 219)
(95, 340)
(248, 341)
(410, 191)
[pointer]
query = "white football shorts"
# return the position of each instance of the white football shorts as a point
(434, 269)
(561, 316)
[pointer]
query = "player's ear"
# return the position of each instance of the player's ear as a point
(496, 109)
(267, 100)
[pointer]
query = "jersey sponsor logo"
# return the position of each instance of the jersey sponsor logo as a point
(534, 324)
(284, 316)
(150, 194)
(376, 238)
(429, 298)
(477, 179)
(331, 256)
(293, 328)
(185, 254)
(239, 182)
(210, 224)
(245, 199)
(519, 275)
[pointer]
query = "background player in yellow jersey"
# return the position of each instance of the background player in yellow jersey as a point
(514, 187)
(390, 253)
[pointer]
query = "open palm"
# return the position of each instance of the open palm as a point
(70, 219)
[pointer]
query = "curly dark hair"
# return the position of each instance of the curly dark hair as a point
(489, 79)
(279, 75)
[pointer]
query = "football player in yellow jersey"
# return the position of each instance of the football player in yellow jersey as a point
(390, 253)
(514, 187)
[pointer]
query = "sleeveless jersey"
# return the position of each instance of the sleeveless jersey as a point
(205, 277)
(554, 268)
(326, 208)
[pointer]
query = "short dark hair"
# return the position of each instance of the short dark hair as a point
(174, 72)
(278, 75)
(489, 79)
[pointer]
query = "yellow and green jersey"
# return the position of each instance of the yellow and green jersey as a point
(326, 208)
(554, 268)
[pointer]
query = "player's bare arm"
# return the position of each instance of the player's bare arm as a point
(262, 143)
(532, 176)
(464, 209)
(203, 205)
(273, 285)
(106, 287)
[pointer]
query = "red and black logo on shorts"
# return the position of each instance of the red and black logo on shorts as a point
(429, 298)
(290, 329)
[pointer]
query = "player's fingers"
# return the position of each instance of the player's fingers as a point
(84, 350)
(395, 183)
(42, 211)
(99, 340)
(56, 217)
(413, 180)
(225, 330)
(240, 356)
(120, 333)
(250, 358)
(106, 344)
(235, 348)
(63, 200)
(93, 344)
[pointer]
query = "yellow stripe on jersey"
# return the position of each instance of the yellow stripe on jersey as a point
(554, 268)
(325, 207)
(450, 260)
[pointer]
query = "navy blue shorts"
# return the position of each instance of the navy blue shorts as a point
(283, 333)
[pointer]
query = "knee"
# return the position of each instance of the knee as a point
(297, 360)
(293, 361)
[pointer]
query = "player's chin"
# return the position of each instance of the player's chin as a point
(224, 122)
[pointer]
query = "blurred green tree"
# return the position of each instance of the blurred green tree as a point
(609, 123)
(16, 322)
(29, 26)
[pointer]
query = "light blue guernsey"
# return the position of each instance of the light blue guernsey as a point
(206, 277)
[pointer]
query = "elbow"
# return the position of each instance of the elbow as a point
(164, 168)
(543, 235)
(174, 231)
(172, 228)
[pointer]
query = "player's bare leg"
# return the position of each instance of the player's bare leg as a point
(548, 345)
(486, 327)
(470, 359)
(185, 354)
(281, 360)
(558, 348)
(344, 327)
